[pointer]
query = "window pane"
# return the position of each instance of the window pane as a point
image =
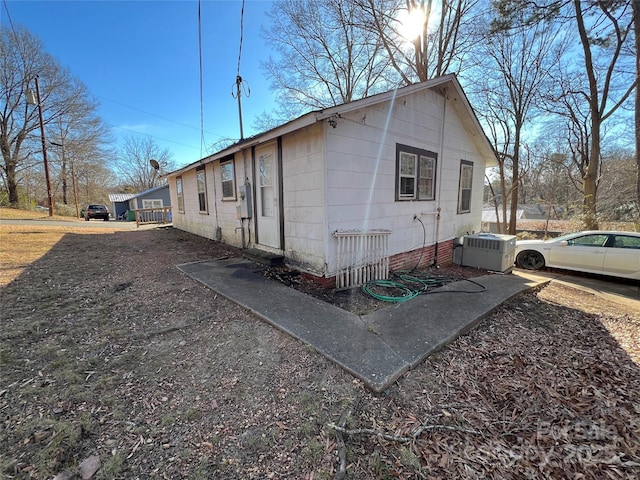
(466, 182)
(466, 201)
(179, 194)
(467, 176)
(590, 240)
(228, 180)
(267, 201)
(202, 191)
(266, 170)
(425, 189)
(200, 179)
(625, 241)
(427, 177)
(426, 167)
(227, 189)
(226, 171)
(407, 187)
(407, 164)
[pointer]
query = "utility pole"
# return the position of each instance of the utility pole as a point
(31, 100)
(238, 95)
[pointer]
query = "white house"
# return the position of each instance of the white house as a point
(349, 192)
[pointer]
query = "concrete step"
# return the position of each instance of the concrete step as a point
(266, 258)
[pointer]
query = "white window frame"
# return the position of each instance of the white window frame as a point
(201, 181)
(179, 194)
(228, 178)
(411, 171)
(465, 186)
(152, 203)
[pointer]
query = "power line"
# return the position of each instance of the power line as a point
(202, 142)
(241, 36)
(156, 115)
(154, 136)
(6, 7)
(238, 84)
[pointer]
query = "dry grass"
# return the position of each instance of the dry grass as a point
(32, 242)
(16, 214)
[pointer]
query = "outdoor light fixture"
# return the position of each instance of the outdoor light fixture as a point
(35, 100)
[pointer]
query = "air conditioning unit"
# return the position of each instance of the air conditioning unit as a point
(489, 251)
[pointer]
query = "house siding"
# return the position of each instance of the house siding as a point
(159, 194)
(304, 197)
(361, 174)
(338, 173)
(221, 213)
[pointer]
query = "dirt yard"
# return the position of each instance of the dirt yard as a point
(114, 365)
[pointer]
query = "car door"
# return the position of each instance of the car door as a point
(584, 253)
(623, 257)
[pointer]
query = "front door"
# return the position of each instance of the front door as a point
(267, 200)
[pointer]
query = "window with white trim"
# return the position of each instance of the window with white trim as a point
(202, 189)
(415, 173)
(179, 194)
(464, 188)
(152, 203)
(227, 172)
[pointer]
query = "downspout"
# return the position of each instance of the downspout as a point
(439, 209)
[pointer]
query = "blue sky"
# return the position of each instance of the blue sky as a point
(140, 60)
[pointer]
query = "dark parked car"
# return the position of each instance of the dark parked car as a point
(96, 211)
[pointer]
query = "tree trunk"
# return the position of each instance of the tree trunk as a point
(515, 178)
(10, 165)
(590, 180)
(636, 29)
(12, 184)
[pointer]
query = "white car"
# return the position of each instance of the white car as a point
(602, 252)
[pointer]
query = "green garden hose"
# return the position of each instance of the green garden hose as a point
(409, 286)
(406, 292)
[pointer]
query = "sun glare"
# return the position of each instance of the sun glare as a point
(412, 23)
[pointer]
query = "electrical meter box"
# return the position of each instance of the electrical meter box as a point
(490, 251)
(244, 195)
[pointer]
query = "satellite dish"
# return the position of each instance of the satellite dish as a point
(154, 164)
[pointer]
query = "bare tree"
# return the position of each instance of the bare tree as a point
(135, 166)
(325, 57)
(22, 58)
(617, 189)
(613, 23)
(605, 78)
(515, 69)
(437, 47)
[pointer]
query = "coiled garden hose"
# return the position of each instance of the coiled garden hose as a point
(409, 286)
(406, 293)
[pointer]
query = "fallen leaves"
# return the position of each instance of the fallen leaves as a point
(541, 392)
(546, 387)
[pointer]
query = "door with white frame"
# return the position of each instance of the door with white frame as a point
(267, 199)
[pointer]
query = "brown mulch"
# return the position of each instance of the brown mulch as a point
(115, 364)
